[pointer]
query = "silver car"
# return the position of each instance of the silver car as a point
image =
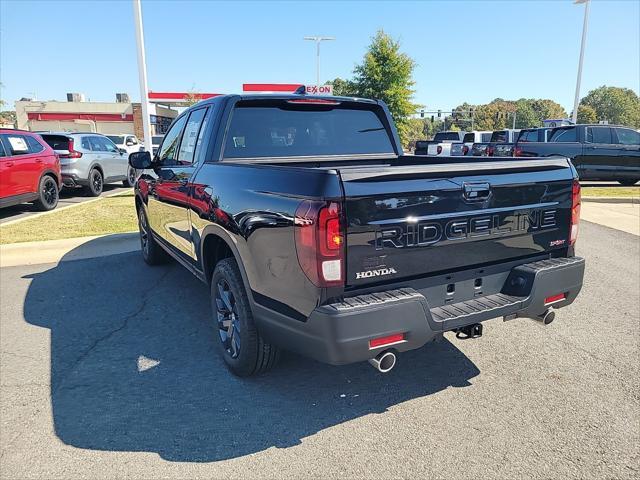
(90, 160)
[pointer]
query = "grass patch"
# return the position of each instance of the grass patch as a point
(611, 191)
(115, 214)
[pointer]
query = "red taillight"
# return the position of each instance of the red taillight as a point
(517, 152)
(320, 242)
(575, 211)
(72, 153)
(386, 341)
(438, 149)
(465, 149)
(490, 151)
(554, 298)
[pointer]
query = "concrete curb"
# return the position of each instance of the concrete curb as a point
(635, 200)
(39, 214)
(54, 251)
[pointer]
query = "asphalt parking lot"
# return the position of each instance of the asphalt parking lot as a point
(108, 370)
(67, 197)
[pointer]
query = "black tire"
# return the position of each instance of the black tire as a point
(628, 182)
(152, 253)
(48, 194)
(243, 349)
(131, 177)
(96, 183)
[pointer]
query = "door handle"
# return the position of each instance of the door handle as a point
(38, 160)
(9, 164)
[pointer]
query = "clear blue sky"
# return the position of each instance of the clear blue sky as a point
(470, 51)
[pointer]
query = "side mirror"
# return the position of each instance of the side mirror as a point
(122, 150)
(140, 160)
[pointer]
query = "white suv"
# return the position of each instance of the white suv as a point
(90, 160)
(127, 142)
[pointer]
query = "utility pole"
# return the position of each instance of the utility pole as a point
(142, 75)
(318, 39)
(514, 119)
(574, 116)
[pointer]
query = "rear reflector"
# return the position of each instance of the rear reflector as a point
(386, 341)
(554, 298)
(575, 211)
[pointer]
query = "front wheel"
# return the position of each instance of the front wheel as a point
(48, 194)
(242, 347)
(152, 253)
(628, 182)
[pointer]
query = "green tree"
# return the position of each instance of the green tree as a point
(526, 116)
(387, 74)
(587, 114)
(344, 88)
(546, 109)
(415, 131)
(615, 104)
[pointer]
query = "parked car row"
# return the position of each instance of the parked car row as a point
(34, 166)
(599, 152)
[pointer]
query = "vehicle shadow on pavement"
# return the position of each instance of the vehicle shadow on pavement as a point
(134, 368)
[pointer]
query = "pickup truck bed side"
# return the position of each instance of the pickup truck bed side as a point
(339, 253)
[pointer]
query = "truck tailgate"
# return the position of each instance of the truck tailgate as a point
(417, 220)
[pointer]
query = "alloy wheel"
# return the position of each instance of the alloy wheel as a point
(228, 320)
(144, 232)
(49, 192)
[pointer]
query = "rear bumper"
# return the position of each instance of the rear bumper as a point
(339, 333)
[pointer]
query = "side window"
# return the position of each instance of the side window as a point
(34, 145)
(563, 135)
(3, 153)
(598, 135)
(627, 136)
(96, 144)
(17, 144)
(190, 138)
(109, 146)
(85, 144)
(168, 153)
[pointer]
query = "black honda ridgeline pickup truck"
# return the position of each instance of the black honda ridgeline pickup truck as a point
(317, 234)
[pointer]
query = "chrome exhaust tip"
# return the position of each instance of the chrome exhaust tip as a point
(384, 361)
(547, 317)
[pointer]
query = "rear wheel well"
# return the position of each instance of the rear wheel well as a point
(99, 168)
(52, 175)
(214, 249)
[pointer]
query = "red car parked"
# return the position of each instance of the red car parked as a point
(29, 170)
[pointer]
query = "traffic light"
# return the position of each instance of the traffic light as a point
(421, 113)
(439, 113)
(432, 119)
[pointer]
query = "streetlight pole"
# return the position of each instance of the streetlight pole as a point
(318, 39)
(142, 75)
(574, 116)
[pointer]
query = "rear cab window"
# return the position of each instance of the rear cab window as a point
(286, 129)
(468, 138)
(501, 136)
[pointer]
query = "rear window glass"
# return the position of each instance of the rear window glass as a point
(307, 130)
(117, 139)
(468, 138)
(440, 136)
(57, 142)
(485, 137)
(501, 136)
(563, 135)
